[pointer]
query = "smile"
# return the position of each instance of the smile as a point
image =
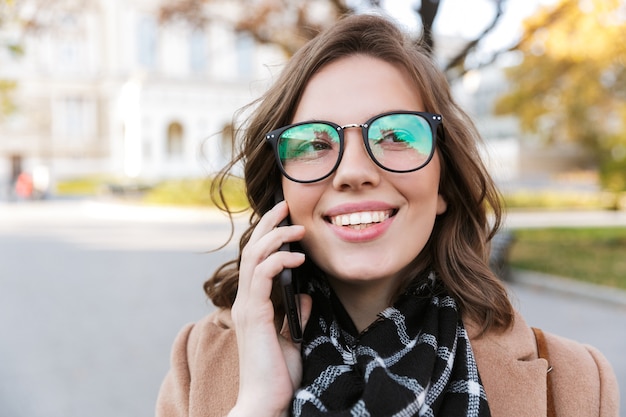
(362, 219)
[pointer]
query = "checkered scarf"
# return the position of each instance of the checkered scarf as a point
(414, 360)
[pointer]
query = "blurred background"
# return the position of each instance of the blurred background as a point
(114, 114)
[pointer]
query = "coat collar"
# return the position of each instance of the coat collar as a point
(512, 374)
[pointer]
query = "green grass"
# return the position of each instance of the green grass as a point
(83, 186)
(196, 192)
(179, 192)
(564, 200)
(593, 255)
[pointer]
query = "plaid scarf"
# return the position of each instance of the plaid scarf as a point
(414, 360)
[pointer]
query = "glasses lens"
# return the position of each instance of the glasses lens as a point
(309, 151)
(401, 142)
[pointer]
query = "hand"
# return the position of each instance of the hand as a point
(270, 366)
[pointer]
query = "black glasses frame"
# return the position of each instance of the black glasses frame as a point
(434, 120)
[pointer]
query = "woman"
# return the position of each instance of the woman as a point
(389, 203)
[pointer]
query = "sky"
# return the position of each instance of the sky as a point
(468, 18)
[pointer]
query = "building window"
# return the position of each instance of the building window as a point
(245, 53)
(175, 141)
(197, 51)
(70, 42)
(68, 53)
(147, 42)
(74, 120)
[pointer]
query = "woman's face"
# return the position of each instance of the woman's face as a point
(397, 210)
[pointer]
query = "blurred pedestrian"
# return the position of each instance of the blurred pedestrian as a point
(24, 186)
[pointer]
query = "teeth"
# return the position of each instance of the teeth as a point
(360, 218)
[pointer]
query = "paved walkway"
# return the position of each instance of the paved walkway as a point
(575, 218)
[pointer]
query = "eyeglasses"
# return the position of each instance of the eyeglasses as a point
(399, 141)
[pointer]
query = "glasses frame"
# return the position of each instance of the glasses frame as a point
(433, 119)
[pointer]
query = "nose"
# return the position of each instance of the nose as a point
(356, 169)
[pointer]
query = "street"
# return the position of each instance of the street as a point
(93, 293)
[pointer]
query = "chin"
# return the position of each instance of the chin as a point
(362, 273)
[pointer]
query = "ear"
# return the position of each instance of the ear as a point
(442, 204)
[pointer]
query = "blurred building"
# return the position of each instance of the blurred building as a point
(477, 92)
(107, 88)
(514, 158)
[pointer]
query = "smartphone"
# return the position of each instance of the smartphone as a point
(285, 280)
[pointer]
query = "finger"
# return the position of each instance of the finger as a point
(267, 270)
(257, 262)
(252, 304)
(269, 221)
(274, 239)
(264, 240)
(258, 253)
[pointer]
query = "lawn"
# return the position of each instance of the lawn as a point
(594, 255)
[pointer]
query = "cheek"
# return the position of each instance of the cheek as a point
(301, 200)
(423, 186)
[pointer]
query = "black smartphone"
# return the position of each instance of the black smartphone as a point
(285, 280)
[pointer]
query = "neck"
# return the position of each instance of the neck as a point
(363, 301)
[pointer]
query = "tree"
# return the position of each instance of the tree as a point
(19, 18)
(291, 23)
(571, 83)
(7, 17)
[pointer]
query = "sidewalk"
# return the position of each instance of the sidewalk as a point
(516, 219)
(569, 286)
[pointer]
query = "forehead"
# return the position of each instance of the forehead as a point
(355, 88)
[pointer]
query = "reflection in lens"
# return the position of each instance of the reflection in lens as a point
(401, 142)
(309, 151)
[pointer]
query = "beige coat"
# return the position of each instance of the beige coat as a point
(203, 379)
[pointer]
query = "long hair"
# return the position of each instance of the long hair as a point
(458, 247)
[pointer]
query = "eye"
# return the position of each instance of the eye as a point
(394, 136)
(391, 136)
(307, 142)
(321, 140)
(313, 145)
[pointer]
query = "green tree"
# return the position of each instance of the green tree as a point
(18, 19)
(7, 17)
(571, 83)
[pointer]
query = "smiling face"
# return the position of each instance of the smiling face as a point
(364, 225)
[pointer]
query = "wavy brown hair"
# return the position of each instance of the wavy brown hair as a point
(458, 248)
